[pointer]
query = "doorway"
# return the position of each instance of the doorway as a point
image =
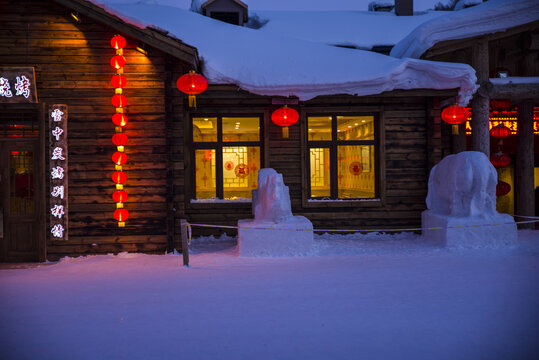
(22, 232)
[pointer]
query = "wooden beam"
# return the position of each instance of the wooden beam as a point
(525, 188)
(149, 36)
(511, 91)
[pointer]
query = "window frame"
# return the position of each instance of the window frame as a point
(218, 147)
(379, 158)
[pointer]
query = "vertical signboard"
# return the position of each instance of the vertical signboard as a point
(58, 172)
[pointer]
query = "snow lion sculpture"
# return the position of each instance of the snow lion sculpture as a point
(462, 195)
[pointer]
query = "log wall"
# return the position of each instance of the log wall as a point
(408, 118)
(72, 67)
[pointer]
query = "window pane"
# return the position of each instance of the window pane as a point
(356, 171)
(319, 128)
(241, 129)
(320, 173)
(355, 127)
(240, 171)
(204, 129)
(205, 173)
(21, 171)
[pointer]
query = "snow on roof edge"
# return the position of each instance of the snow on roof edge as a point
(487, 18)
(222, 68)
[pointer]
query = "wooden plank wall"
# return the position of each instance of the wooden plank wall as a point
(72, 67)
(406, 118)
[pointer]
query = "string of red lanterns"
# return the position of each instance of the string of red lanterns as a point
(285, 117)
(119, 101)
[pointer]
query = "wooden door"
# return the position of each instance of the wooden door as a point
(21, 186)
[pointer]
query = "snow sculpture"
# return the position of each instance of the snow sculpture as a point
(461, 200)
(274, 230)
(271, 201)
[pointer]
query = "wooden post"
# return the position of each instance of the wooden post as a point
(524, 184)
(185, 244)
(480, 102)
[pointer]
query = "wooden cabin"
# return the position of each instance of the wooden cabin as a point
(510, 54)
(350, 162)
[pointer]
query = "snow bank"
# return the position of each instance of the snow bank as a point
(461, 203)
(266, 64)
(428, 304)
(489, 17)
(515, 80)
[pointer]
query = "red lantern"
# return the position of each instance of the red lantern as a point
(119, 158)
(500, 104)
(500, 131)
(285, 117)
(117, 62)
(121, 214)
(500, 160)
(119, 177)
(502, 188)
(119, 139)
(119, 196)
(118, 42)
(119, 101)
(192, 84)
(119, 119)
(455, 114)
(118, 81)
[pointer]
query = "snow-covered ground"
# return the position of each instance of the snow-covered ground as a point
(357, 297)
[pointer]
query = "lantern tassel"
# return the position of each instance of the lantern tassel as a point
(455, 129)
(285, 132)
(192, 101)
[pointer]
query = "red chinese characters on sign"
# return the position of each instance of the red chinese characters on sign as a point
(58, 172)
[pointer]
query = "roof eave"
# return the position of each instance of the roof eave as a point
(152, 37)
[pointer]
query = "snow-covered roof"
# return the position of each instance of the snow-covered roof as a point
(487, 18)
(268, 64)
(360, 29)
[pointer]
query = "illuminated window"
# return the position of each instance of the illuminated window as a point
(341, 157)
(227, 157)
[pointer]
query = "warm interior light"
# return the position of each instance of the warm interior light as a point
(75, 16)
(141, 50)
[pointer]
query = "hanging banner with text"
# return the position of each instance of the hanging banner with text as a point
(58, 171)
(17, 85)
